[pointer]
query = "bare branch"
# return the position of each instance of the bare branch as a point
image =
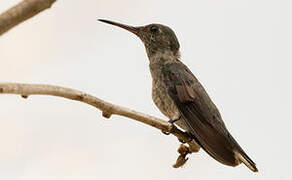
(21, 12)
(108, 109)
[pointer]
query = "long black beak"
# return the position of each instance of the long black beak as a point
(132, 29)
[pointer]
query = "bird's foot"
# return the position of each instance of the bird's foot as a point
(171, 121)
(182, 141)
(166, 133)
(174, 120)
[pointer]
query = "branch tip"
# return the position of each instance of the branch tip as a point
(21, 12)
(181, 160)
(183, 150)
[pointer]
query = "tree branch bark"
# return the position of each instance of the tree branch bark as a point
(107, 109)
(21, 12)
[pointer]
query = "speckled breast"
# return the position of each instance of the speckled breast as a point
(160, 95)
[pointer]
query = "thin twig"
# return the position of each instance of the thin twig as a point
(108, 109)
(21, 12)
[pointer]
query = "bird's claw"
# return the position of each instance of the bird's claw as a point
(171, 121)
(174, 120)
(182, 141)
(166, 133)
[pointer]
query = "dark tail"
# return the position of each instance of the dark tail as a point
(243, 157)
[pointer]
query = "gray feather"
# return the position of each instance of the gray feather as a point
(201, 115)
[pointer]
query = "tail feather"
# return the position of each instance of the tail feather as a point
(242, 156)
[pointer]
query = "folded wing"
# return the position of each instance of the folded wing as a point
(201, 115)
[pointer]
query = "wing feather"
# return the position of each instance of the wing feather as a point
(199, 113)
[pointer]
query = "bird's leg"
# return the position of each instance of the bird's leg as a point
(172, 121)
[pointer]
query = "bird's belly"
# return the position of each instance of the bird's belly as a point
(164, 103)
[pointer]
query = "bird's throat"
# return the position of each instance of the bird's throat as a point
(163, 56)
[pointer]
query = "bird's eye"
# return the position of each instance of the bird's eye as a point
(154, 29)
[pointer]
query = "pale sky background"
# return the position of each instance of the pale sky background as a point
(239, 50)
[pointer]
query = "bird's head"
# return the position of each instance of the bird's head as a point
(156, 37)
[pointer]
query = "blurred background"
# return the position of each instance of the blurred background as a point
(239, 50)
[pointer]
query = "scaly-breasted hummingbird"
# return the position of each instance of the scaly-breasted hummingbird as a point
(180, 96)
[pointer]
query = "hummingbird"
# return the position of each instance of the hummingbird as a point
(180, 96)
